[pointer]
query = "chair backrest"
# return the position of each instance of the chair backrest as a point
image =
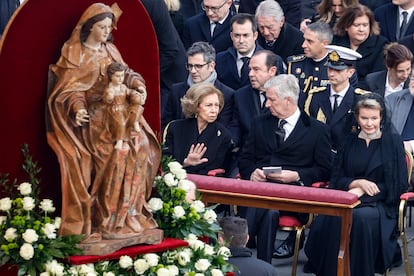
(410, 161)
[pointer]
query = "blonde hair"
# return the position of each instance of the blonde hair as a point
(172, 5)
(194, 96)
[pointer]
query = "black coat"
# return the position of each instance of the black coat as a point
(247, 264)
(387, 16)
(376, 82)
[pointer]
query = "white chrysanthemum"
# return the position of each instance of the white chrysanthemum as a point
(28, 203)
(30, 236)
(152, 259)
(210, 216)
(58, 221)
(47, 205)
(169, 180)
(125, 261)
(5, 204)
(55, 268)
(198, 206)
(26, 251)
(25, 188)
(202, 265)
(50, 231)
(11, 234)
(86, 269)
(155, 204)
(141, 266)
(179, 212)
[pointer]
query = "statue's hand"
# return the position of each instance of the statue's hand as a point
(81, 117)
(143, 93)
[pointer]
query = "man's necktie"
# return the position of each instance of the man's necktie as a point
(244, 71)
(280, 131)
(404, 24)
(216, 28)
(335, 103)
(262, 100)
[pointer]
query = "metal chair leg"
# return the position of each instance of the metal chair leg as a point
(296, 251)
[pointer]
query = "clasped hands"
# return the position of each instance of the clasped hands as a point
(195, 155)
(286, 176)
(360, 187)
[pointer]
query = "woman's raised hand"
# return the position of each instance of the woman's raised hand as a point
(195, 155)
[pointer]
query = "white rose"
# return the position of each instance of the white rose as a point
(155, 204)
(125, 261)
(174, 166)
(49, 230)
(87, 269)
(44, 274)
(30, 236)
(5, 204)
(58, 221)
(210, 216)
(191, 237)
(199, 274)
(202, 265)
(173, 270)
(28, 203)
(141, 266)
(55, 268)
(183, 258)
(169, 180)
(108, 273)
(10, 234)
(163, 272)
(104, 265)
(178, 212)
(25, 188)
(198, 206)
(3, 219)
(224, 252)
(196, 244)
(185, 184)
(152, 259)
(26, 251)
(181, 174)
(47, 205)
(216, 272)
(208, 250)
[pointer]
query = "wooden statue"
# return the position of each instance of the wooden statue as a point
(104, 188)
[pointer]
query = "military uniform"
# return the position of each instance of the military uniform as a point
(310, 73)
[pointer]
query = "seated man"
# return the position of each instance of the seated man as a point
(235, 236)
(288, 138)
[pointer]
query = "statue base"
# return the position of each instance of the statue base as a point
(105, 247)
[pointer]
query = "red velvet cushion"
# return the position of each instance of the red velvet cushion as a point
(288, 221)
(407, 196)
(132, 251)
(272, 190)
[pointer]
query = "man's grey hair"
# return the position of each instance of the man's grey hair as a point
(286, 85)
(270, 8)
(204, 48)
(323, 30)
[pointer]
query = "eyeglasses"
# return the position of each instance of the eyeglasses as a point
(212, 9)
(195, 66)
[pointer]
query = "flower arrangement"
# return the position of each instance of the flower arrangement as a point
(28, 236)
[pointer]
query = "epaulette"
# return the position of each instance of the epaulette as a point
(360, 91)
(295, 58)
(317, 89)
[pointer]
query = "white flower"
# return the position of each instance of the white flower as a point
(183, 258)
(58, 221)
(199, 274)
(216, 272)
(191, 237)
(196, 244)
(210, 216)
(198, 206)
(141, 266)
(55, 268)
(110, 273)
(224, 252)
(163, 272)
(202, 265)
(104, 265)
(155, 204)
(25, 188)
(181, 174)
(208, 250)
(178, 212)
(5, 204)
(50, 231)
(3, 219)
(47, 205)
(152, 259)
(173, 270)
(170, 181)
(185, 184)
(30, 236)
(44, 274)
(10, 234)
(26, 251)
(28, 203)
(125, 261)
(174, 166)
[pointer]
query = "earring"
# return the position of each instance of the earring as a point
(195, 115)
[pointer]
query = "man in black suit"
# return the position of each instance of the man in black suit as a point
(201, 64)
(213, 25)
(288, 138)
(398, 60)
(275, 34)
(396, 19)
